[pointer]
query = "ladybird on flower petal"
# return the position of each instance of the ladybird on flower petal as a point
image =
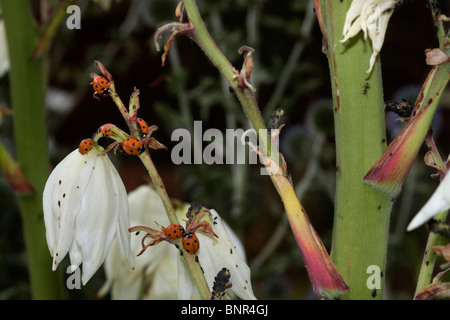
(85, 146)
(191, 243)
(174, 231)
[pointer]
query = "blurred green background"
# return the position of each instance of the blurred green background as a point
(290, 72)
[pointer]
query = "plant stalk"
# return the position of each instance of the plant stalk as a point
(361, 222)
(28, 79)
(326, 280)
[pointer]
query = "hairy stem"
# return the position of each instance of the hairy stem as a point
(361, 222)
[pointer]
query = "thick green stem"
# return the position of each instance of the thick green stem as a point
(361, 223)
(28, 87)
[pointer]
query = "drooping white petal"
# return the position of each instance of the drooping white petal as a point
(353, 12)
(96, 223)
(372, 17)
(164, 275)
(439, 202)
(123, 212)
(62, 199)
(185, 283)
(217, 253)
(145, 207)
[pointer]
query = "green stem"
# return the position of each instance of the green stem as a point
(194, 267)
(326, 280)
(361, 223)
(429, 258)
(204, 40)
(28, 86)
(130, 117)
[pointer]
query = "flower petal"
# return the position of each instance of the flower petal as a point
(62, 196)
(96, 223)
(439, 202)
(217, 253)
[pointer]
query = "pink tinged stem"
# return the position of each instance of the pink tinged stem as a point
(326, 279)
(389, 172)
(13, 173)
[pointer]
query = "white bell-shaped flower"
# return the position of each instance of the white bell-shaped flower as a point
(159, 272)
(439, 202)
(225, 251)
(155, 274)
(85, 206)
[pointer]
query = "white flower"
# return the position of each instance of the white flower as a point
(157, 266)
(85, 206)
(372, 17)
(226, 251)
(439, 202)
(160, 272)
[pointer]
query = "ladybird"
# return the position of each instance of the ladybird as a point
(174, 231)
(132, 146)
(101, 87)
(106, 129)
(143, 126)
(191, 243)
(85, 146)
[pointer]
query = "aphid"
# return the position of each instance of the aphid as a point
(85, 146)
(366, 88)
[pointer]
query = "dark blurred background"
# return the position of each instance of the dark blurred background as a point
(188, 88)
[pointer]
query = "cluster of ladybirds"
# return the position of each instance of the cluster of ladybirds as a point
(190, 240)
(130, 146)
